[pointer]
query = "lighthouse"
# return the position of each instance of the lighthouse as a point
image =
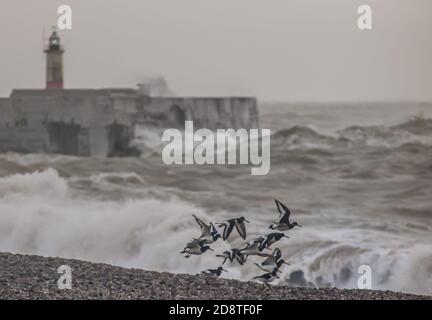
(54, 62)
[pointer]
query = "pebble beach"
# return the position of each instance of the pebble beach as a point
(35, 278)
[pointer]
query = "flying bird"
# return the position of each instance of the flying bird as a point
(228, 225)
(271, 238)
(254, 247)
(234, 254)
(271, 260)
(208, 232)
(266, 278)
(215, 273)
(284, 223)
(195, 247)
(271, 266)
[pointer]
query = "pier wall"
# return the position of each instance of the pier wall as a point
(101, 122)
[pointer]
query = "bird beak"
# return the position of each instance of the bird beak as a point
(246, 221)
(211, 249)
(288, 264)
(300, 225)
(286, 237)
(277, 277)
(224, 270)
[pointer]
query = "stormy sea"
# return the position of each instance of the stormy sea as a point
(357, 177)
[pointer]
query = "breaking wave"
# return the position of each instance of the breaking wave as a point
(362, 193)
(416, 130)
(42, 214)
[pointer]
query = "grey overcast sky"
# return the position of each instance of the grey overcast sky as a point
(292, 50)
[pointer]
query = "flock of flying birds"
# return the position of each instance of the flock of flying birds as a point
(259, 246)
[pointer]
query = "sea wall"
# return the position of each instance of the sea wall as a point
(5, 113)
(211, 113)
(102, 122)
(72, 122)
(24, 140)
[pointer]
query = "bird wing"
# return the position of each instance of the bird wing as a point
(205, 228)
(192, 244)
(241, 229)
(209, 271)
(224, 226)
(228, 228)
(283, 210)
(255, 241)
(213, 230)
(264, 243)
(264, 276)
(261, 267)
(225, 255)
(240, 258)
(277, 254)
(248, 245)
(285, 218)
(195, 244)
(269, 261)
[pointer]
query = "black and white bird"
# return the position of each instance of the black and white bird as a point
(284, 223)
(234, 254)
(215, 273)
(253, 248)
(276, 255)
(272, 260)
(228, 225)
(195, 247)
(208, 232)
(271, 238)
(268, 277)
(271, 266)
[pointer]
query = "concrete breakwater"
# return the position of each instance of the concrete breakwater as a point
(102, 122)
